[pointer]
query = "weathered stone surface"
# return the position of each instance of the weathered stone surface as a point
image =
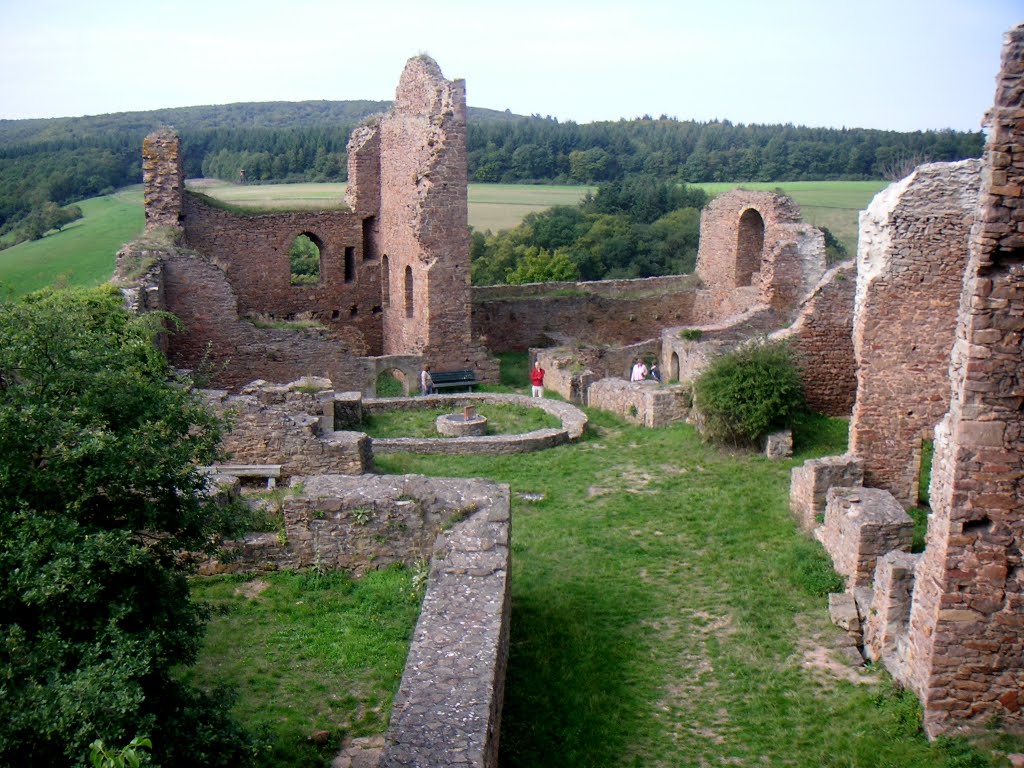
(888, 619)
(911, 257)
(810, 482)
(642, 402)
(448, 707)
(861, 525)
(778, 445)
(966, 643)
(842, 610)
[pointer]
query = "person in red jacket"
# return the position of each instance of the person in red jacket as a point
(537, 379)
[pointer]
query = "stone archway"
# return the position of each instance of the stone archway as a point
(749, 246)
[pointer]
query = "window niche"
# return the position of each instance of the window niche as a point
(304, 259)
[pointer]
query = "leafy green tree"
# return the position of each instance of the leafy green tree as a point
(541, 266)
(99, 448)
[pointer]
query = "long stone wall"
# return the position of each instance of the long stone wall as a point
(910, 265)
(966, 641)
(611, 312)
(643, 402)
(252, 250)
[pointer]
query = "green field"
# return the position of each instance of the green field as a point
(82, 253)
(831, 204)
(491, 206)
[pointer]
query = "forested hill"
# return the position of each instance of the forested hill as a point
(66, 159)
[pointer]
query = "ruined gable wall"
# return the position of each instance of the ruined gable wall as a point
(822, 337)
(967, 620)
(792, 254)
(423, 219)
(517, 317)
(231, 351)
(911, 258)
(252, 251)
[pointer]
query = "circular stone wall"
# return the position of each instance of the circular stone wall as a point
(457, 425)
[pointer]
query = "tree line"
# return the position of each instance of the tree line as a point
(63, 160)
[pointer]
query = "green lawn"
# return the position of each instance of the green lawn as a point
(82, 254)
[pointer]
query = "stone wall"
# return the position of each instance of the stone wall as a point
(447, 711)
(513, 318)
(756, 239)
(448, 707)
(822, 337)
(291, 425)
(424, 238)
(910, 265)
(645, 402)
(163, 180)
(394, 270)
(252, 251)
(966, 641)
(570, 371)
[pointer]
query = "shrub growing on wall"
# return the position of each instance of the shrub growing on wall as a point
(749, 392)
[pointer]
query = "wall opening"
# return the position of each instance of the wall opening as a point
(350, 264)
(392, 383)
(673, 368)
(385, 280)
(749, 246)
(304, 259)
(369, 238)
(408, 292)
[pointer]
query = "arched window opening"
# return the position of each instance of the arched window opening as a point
(673, 372)
(392, 383)
(350, 264)
(749, 246)
(385, 281)
(304, 258)
(408, 292)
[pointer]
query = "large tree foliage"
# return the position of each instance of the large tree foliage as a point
(637, 227)
(99, 496)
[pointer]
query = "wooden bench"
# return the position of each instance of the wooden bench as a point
(453, 380)
(269, 471)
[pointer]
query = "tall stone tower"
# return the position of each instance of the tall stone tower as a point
(163, 179)
(424, 237)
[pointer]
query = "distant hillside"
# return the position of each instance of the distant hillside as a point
(72, 158)
(264, 114)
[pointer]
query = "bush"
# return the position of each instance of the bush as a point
(748, 393)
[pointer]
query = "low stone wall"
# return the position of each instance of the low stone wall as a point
(448, 707)
(809, 484)
(644, 402)
(447, 711)
(574, 422)
(291, 425)
(517, 317)
(571, 370)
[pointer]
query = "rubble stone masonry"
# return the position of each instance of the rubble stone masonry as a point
(911, 258)
(966, 642)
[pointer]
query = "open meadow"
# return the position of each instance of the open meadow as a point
(82, 254)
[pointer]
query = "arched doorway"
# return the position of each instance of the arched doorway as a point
(749, 246)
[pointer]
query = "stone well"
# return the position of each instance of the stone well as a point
(469, 423)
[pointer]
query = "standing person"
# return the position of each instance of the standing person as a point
(639, 372)
(655, 372)
(426, 382)
(537, 379)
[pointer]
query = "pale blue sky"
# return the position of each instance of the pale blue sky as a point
(895, 64)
